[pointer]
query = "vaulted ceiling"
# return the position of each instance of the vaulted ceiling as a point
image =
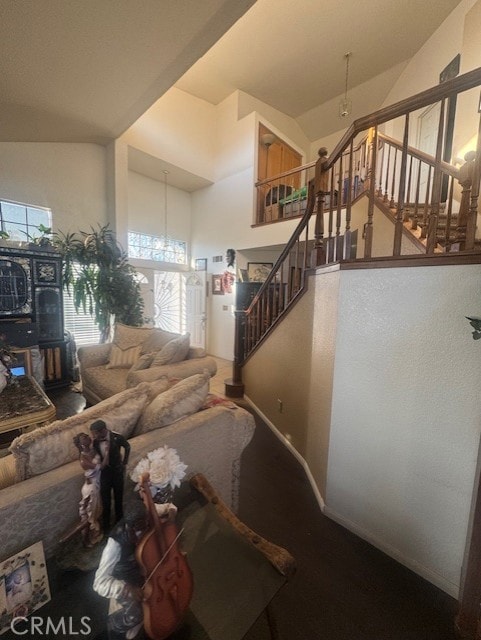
(85, 70)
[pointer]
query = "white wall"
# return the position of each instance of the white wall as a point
(382, 401)
(68, 178)
(146, 208)
(406, 415)
(180, 129)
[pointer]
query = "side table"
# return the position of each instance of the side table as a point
(24, 405)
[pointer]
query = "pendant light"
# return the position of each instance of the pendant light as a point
(345, 105)
(165, 240)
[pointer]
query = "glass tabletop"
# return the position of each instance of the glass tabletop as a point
(233, 581)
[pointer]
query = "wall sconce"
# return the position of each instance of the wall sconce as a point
(345, 105)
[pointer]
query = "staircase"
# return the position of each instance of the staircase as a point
(426, 199)
(433, 203)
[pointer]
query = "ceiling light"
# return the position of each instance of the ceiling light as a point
(345, 105)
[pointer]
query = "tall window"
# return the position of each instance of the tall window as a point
(157, 248)
(81, 325)
(22, 221)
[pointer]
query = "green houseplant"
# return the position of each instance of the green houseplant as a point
(97, 274)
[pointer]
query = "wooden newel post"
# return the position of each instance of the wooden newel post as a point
(321, 187)
(234, 387)
(465, 179)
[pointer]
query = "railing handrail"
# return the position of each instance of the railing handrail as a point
(304, 221)
(285, 174)
(421, 155)
(461, 83)
(290, 172)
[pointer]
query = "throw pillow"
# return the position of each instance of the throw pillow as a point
(142, 363)
(183, 399)
(126, 336)
(158, 339)
(174, 351)
(123, 358)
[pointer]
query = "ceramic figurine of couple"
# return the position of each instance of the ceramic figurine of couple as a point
(100, 456)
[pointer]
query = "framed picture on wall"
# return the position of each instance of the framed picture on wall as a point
(217, 288)
(201, 264)
(258, 271)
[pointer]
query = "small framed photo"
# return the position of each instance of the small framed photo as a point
(201, 264)
(24, 585)
(217, 288)
(258, 271)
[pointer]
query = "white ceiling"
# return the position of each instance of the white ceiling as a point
(291, 55)
(85, 70)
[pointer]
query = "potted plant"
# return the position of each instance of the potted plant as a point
(97, 274)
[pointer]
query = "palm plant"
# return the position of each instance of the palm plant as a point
(97, 274)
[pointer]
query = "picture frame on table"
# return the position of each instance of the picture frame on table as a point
(258, 271)
(24, 586)
(201, 264)
(217, 288)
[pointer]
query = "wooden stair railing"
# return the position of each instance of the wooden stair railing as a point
(284, 284)
(391, 170)
(417, 190)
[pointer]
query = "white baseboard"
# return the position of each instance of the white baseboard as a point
(294, 452)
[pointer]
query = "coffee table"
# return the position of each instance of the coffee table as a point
(236, 572)
(24, 405)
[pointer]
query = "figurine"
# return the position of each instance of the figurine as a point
(90, 505)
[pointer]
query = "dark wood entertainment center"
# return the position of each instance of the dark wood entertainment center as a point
(31, 308)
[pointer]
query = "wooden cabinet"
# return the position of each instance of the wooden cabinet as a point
(31, 304)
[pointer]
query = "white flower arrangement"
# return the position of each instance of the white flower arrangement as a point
(164, 466)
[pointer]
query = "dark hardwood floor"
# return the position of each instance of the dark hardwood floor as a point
(343, 589)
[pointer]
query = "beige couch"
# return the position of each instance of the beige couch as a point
(138, 355)
(42, 478)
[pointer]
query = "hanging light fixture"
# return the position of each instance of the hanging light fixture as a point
(345, 105)
(165, 238)
(267, 139)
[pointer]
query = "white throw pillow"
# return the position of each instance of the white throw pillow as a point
(123, 358)
(174, 351)
(183, 399)
(126, 336)
(158, 339)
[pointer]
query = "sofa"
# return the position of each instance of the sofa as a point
(135, 355)
(40, 481)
